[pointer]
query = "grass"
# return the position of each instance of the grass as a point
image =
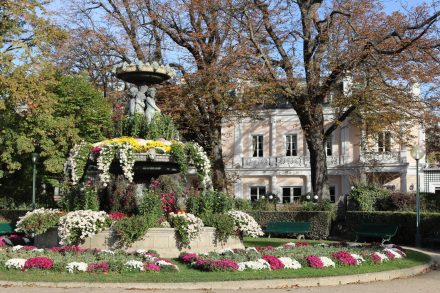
(187, 274)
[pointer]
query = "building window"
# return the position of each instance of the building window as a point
(291, 145)
(257, 192)
(291, 194)
(257, 145)
(332, 190)
(437, 191)
(384, 142)
(329, 145)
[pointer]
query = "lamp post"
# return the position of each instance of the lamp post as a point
(34, 177)
(417, 153)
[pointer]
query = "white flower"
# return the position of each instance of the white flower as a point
(163, 263)
(359, 258)
(140, 251)
(382, 256)
(42, 211)
(77, 225)
(327, 261)
(134, 265)
(106, 251)
(15, 263)
(17, 247)
(150, 258)
(259, 264)
(225, 250)
(192, 225)
(246, 224)
(72, 267)
(70, 166)
(393, 252)
(251, 248)
(290, 263)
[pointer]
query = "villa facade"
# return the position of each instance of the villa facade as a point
(270, 155)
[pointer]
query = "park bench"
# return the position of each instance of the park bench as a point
(297, 228)
(7, 228)
(433, 240)
(383, 231)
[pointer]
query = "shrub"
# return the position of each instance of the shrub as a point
(322, 205)
(397, 201)
(210, 202)
(187, 227)
(241, 204)
(224, 227)
(131, 229)
(38, 221)
(364, 197)
(151, 203)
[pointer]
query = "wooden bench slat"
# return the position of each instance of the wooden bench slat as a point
(287, 227)
(384, 231)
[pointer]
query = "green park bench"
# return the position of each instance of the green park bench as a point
(383, 231)
(7, 228)
(297, 228)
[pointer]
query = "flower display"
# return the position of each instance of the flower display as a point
(75, 226)
(327, 261)
(290, 263)
(38, 221)
(43, 263)
(378, 257)
(134, 265)
(151, 267)
(223, 265)
(188, 226)
(98, 267)
(274, 262)
(257, 265)
(188, 257)
(246, 224)
(169, 202)
(116, 216)
(74, 166)
(392, 253)
(202, 163)
(315, 261)
(73, 267)
(345, 258)
(15, 263)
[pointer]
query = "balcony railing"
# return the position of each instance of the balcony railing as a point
(284, 162)
(381, 157)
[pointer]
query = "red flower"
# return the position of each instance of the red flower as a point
(151, 267)
(116, 216)
(315, 262)
(43, 263)
(345, 258)
(275, 263)
(375, 258)
(188, 257)
(264, 248)
(223, 265)
(98, 267)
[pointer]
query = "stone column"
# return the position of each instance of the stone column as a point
(273, 137)
(238, 145)
(273, 185)
(403, 183)
(308, 179)
(238, 189)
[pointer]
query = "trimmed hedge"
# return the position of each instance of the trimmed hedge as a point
(11, 216)
(319, 221)
(429, 223)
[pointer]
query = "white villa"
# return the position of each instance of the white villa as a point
(270, 155)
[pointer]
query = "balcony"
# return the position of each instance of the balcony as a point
(284, 162)
(382, 158)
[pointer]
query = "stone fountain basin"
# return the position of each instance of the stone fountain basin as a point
(163, 240)
(143, 77)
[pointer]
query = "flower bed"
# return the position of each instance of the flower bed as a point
(74, 259)
(292, 256)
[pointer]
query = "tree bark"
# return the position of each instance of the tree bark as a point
(218, 168)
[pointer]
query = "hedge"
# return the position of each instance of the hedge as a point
(429, 223)
(319, 221)
(11, 216)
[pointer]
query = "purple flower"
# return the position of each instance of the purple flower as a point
(315, 262)
(223, 265)
(151, 267)
(345, 258)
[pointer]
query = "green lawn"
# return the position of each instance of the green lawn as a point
(187, 274)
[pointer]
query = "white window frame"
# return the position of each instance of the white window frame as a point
(252, 146)
(386, 141)
(296, 144)
(258, 191)
(291, 193)
(329, 139)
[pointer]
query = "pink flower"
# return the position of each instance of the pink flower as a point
(274, 262)
(98, 267)
(223, 265)
(297, 244)
(315, 262)
(345, 258)
(376, 258)
(151, 267)
(188, 257)
(264, 248)
(43, 263)
(96, 149)
(390, 255)
(202, 264)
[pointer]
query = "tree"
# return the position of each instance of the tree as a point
(306, 48)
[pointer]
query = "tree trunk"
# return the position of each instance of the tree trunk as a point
(218, 166)
(312, 123)
(318, 163)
